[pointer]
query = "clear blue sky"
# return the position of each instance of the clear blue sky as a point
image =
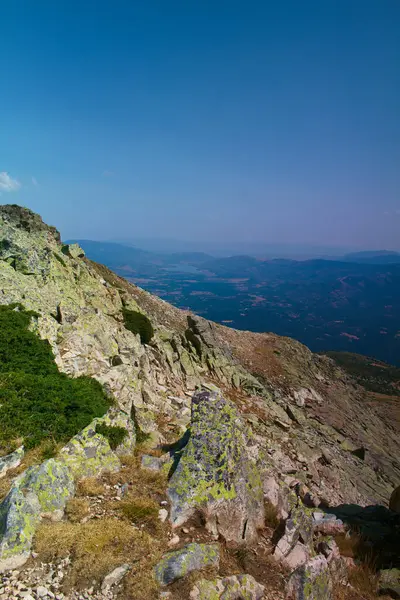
(215, 120)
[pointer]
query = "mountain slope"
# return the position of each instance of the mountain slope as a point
(302, 420)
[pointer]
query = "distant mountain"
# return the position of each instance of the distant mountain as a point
(379, 257)
(351, 304)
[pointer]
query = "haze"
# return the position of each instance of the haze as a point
(214, 122)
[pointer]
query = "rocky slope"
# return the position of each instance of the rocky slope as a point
(274, 424)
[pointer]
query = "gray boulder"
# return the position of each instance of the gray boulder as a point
(180, 563)
(40, 489)
(215, 473)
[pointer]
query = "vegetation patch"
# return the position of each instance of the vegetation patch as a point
(114, 435)
(37, 402)
(99, 546)
(375, 375)
(138, 323)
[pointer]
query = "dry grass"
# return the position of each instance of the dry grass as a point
(90, 486)
(97, 547)
(349, 545)
(142, 482)
(142, 512)
(77, 509)
(271, 515)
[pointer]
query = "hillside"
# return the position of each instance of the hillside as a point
(150, 453)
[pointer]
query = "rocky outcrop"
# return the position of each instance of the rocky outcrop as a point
(179, 563)
(215, 474)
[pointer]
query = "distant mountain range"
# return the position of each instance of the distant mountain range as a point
(348, 304)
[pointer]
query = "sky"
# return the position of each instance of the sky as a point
(214, 121)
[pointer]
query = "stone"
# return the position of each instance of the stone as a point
(11, 461)
(215, 473)
(311, 581)
(394, 503)
(179, 563)
(235, 587)
(42, 592)
(297, 557)
(298, 527)
(114, 577)
(389, 582)
(43, 488)
(163, 515)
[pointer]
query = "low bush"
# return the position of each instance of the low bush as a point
(37, 402)
(114, 435)
(138, 323)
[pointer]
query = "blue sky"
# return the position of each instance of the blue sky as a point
(272, 122)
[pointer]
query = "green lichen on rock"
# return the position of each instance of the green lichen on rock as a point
(244, 587)
(311, 581)
(215, 473)
(179, 563)
(40, 489)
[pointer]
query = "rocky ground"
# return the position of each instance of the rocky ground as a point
(281, 490)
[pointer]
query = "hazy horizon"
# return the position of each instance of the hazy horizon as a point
(215, 123)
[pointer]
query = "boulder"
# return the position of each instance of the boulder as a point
(215, 473)
(40, 489)
(311, 581)
(179, 563)
(89, 453)
(236, 587)
(114, 577)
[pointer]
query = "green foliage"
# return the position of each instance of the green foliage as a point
(114, 435)
(138, 323)
(37, 402)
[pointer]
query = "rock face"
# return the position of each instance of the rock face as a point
(216, 474)
(41, 489)
(180, 563)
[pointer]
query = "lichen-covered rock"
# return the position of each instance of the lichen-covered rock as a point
(216, 474)
(311, 581)
(236, 587)
(11, 461)
(180, 563)
(89, 453)
(40, 489)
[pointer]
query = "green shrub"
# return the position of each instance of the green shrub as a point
(37, 402)
(138, 323)
(114, 435)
